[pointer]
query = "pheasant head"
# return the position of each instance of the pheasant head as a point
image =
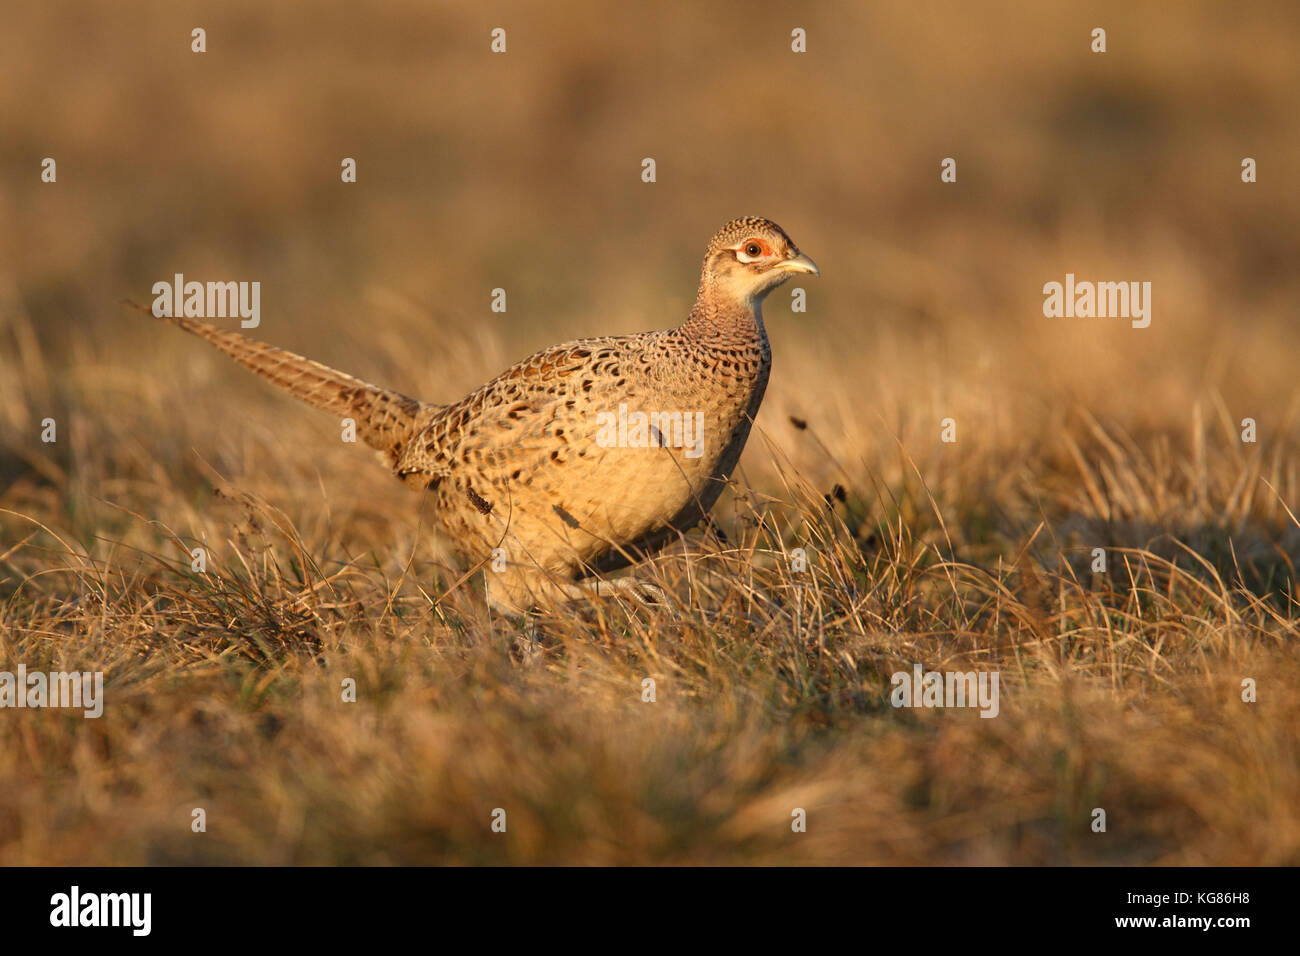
(747, 259)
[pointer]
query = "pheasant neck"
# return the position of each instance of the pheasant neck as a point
(725, 321)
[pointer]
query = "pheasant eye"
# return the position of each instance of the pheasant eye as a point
(753, 249)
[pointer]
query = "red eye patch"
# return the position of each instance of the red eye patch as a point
(755, 248)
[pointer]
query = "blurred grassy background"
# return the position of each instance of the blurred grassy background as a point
(523, 171)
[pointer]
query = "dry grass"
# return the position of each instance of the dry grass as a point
(1119, 691)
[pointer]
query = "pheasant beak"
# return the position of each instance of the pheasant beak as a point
(800, 263)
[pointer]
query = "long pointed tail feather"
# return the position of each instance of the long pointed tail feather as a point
(385, 419)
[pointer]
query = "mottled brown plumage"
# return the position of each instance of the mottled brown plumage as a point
(529, 465)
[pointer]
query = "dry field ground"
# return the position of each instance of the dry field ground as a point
(1120, 691)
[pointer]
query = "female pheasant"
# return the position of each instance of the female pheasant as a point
(584, 457)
